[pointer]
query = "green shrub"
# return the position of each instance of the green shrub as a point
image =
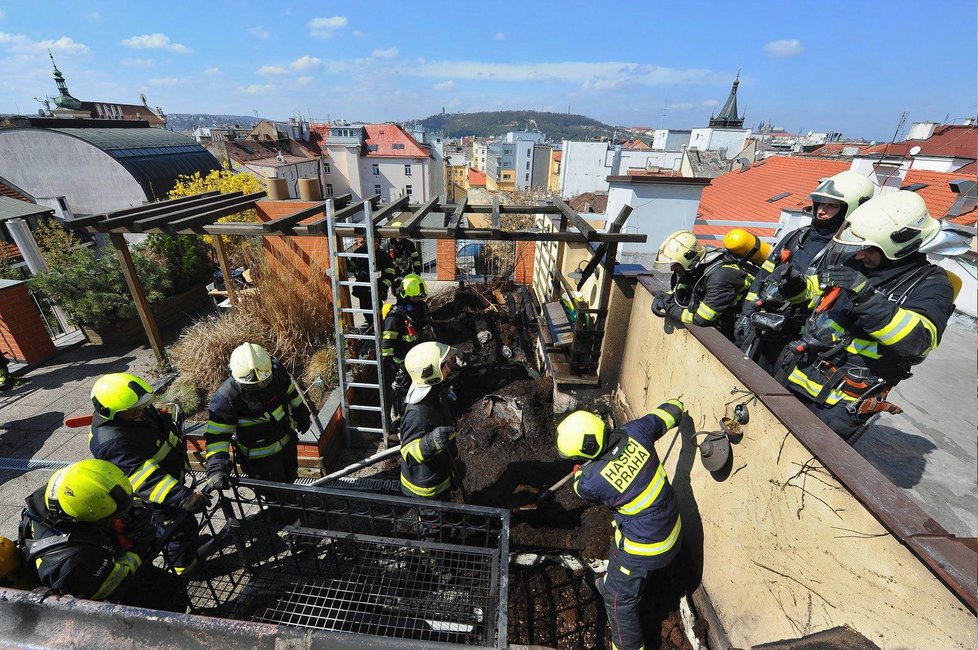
(186, 257)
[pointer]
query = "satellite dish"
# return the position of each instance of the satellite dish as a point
(914, 150)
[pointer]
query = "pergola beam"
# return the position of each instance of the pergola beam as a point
(413, 222)
(188, 224)
(139, 296)
(587, 230)
(280, 224)
(318, 227)
(388, 210)
(457, 215)
(149, 222)
(496, 222)
(139, 211)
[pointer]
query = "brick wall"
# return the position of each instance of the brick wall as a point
(446, 259)
(300, 254)
(22, 333)
(525, 250)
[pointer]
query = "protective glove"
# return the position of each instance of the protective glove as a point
(196, 502)
(303, 421)
(675, 312)
(218, 481)
(660, 304)
(847, 279)
(440, 438)
(790, 282)
(743, 327)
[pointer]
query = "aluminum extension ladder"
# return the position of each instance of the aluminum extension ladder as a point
(345, 364)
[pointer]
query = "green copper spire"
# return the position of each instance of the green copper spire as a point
(64, 98)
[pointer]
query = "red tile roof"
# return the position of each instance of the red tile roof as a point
(938, 195)
(558, 155)
(971, 169)
(952, 141)
(836, 148)
(385, 136)
(476, 178)
(11, 191)
(9, 251)
(742, 195)
(897, 149)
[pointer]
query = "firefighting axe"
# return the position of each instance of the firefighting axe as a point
(549, 493)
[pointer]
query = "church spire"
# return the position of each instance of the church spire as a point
(728, 116)
(64, 98)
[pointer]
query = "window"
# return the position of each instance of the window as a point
(372, 147)
(407, 170)
(528, 178)
(527, 164)
(329, 189)
(376, 170)
(397, 146)
(507, 151)
(408, 190)
(377, 190)
(326, 168)
(529, 152)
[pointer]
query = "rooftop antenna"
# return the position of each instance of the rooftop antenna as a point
(903, 119)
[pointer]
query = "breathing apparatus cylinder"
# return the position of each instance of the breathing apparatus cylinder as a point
(746, 245)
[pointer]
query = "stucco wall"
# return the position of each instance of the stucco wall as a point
(47, 163)
(787, 550)
(393, 180)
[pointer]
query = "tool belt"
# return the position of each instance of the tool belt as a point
(868, 393)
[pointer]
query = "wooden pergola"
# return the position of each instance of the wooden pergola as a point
(199, 214)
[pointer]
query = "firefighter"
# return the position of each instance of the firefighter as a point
(360, 269)
(6, 381)
(84, 535)
(404, 254)
(622, 471)
(149, 448)
(891, 313)
(259, 410)
(833, 201)
(406, 324)
(707, 284)
(427, 432)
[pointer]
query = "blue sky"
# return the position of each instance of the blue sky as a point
(827, 65)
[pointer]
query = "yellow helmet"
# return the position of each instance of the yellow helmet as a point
(412, 285)
(897, 223)
(423, 363)
(682, 248)
(251, 366)
(89, 490)
(9, 558)
(850, 188)
(580, 435)
(119, 391)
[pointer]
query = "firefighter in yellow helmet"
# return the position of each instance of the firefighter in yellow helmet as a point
(406, 324)
(84, 536)
(833, 201)
(891, 312)
(404, 254)
(707, 284)
(427, 432)
(149, 448)
(622, 471)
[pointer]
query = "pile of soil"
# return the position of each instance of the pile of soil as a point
(553, 606)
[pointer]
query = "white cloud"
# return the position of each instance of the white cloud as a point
(18, 43)
(681, 105)
(389, 53)
(445, 85)
(168, 81)
(212, 72)
(500, 36)
(138, 63)
(259, 32)
(601, 84)
(784, 47)
(324, 27)
(155, 41)
(305, 80)
(258, 89)
(305, 63)
(711, 102)
(271, 70)
(605, 75)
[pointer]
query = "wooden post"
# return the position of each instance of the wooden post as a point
(222, 258)
(139, 297)
(559, 264)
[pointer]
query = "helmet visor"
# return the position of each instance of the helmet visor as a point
(837, 254)
(256, 379)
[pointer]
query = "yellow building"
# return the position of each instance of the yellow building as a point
(553, 178)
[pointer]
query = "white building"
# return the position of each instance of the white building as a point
(479, 152)
(586, 166)
(729, 141)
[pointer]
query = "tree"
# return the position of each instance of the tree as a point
(241, 250)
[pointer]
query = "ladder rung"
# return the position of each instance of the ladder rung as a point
(367, 429)
(352, 283)
(361, 362)
(356, 255)
(358, 407)
(359, 337)
(358, 384)
(351, 310)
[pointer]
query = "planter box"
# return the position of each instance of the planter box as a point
(130, 332)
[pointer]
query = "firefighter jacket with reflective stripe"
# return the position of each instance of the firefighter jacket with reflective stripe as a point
(716, 289)
(84, 560)
(360, 268)
(150, 451)
(406, 325)
(261, 422)
(802, 245)
(404, 256)
(630, 479)
(425, 471)
(892, 329)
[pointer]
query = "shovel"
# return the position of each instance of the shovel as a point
(548, 494)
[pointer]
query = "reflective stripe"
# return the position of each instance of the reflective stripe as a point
(119, 572)
(413, 449)
(900, 326)
(706, 312)
(667, 418)
(410, 338)
(387, 352)
(279, 412)
(180, 570)
(426, 492)
(145, 470)
(656, 548)
(751, 296)
(250, 422)
(687, 316)
(768, 266)
(391, 335)
(647, 496)
(163, 488)
(267, 450)
(218, 427)
(865, 348)
(217, 448)
(799, 378)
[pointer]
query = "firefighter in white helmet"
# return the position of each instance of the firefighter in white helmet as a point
(257, 409)
(707, 284)
(891, 313)
(833, 201)
(427, 432)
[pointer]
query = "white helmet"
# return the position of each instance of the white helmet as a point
(896, 223)
(251, 366)
(849, 188)
(423, 364)
(682, 248)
